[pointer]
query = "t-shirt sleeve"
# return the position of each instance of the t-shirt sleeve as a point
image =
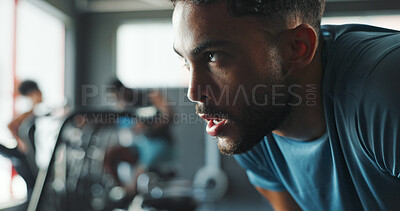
(259, 171)
(379, 112)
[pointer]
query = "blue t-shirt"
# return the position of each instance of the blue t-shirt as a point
(356, 164)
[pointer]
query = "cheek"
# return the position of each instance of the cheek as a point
(250, 71)
(235, 90)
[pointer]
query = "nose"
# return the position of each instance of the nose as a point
(198, 85)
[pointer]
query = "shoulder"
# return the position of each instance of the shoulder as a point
(378, 113)
(378, 100)
(361, 72)
(352, 52)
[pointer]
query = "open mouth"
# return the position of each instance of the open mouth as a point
(214, 125)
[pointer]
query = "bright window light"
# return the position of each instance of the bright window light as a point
(145, 57)
(40, 52)
(6, 93)
(385, 21)
(6, 82)
(40, 57)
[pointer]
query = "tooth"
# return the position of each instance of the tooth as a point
(217, 121)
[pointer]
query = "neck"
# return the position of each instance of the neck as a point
(306, 121)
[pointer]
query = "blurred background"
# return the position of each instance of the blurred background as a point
(73, 49)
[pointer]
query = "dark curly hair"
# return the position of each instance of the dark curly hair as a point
(275, 12)
(27, 86)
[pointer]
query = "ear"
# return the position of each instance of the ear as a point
(303, 45)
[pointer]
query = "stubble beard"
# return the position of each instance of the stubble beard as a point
(255, 123)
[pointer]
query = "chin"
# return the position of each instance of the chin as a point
(235, 145)
(227, 146)
(225, 143)
(240, 139)
(229, 141)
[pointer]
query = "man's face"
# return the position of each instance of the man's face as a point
(236, 75)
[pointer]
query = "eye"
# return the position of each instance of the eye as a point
(212, 57)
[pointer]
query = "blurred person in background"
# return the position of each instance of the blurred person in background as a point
(152, 142)
(22, 128)
(31, 90)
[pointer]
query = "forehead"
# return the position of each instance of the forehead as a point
(195, 23)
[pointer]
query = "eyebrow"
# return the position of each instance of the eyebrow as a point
(204, 45)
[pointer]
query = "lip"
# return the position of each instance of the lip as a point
(212, 128)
